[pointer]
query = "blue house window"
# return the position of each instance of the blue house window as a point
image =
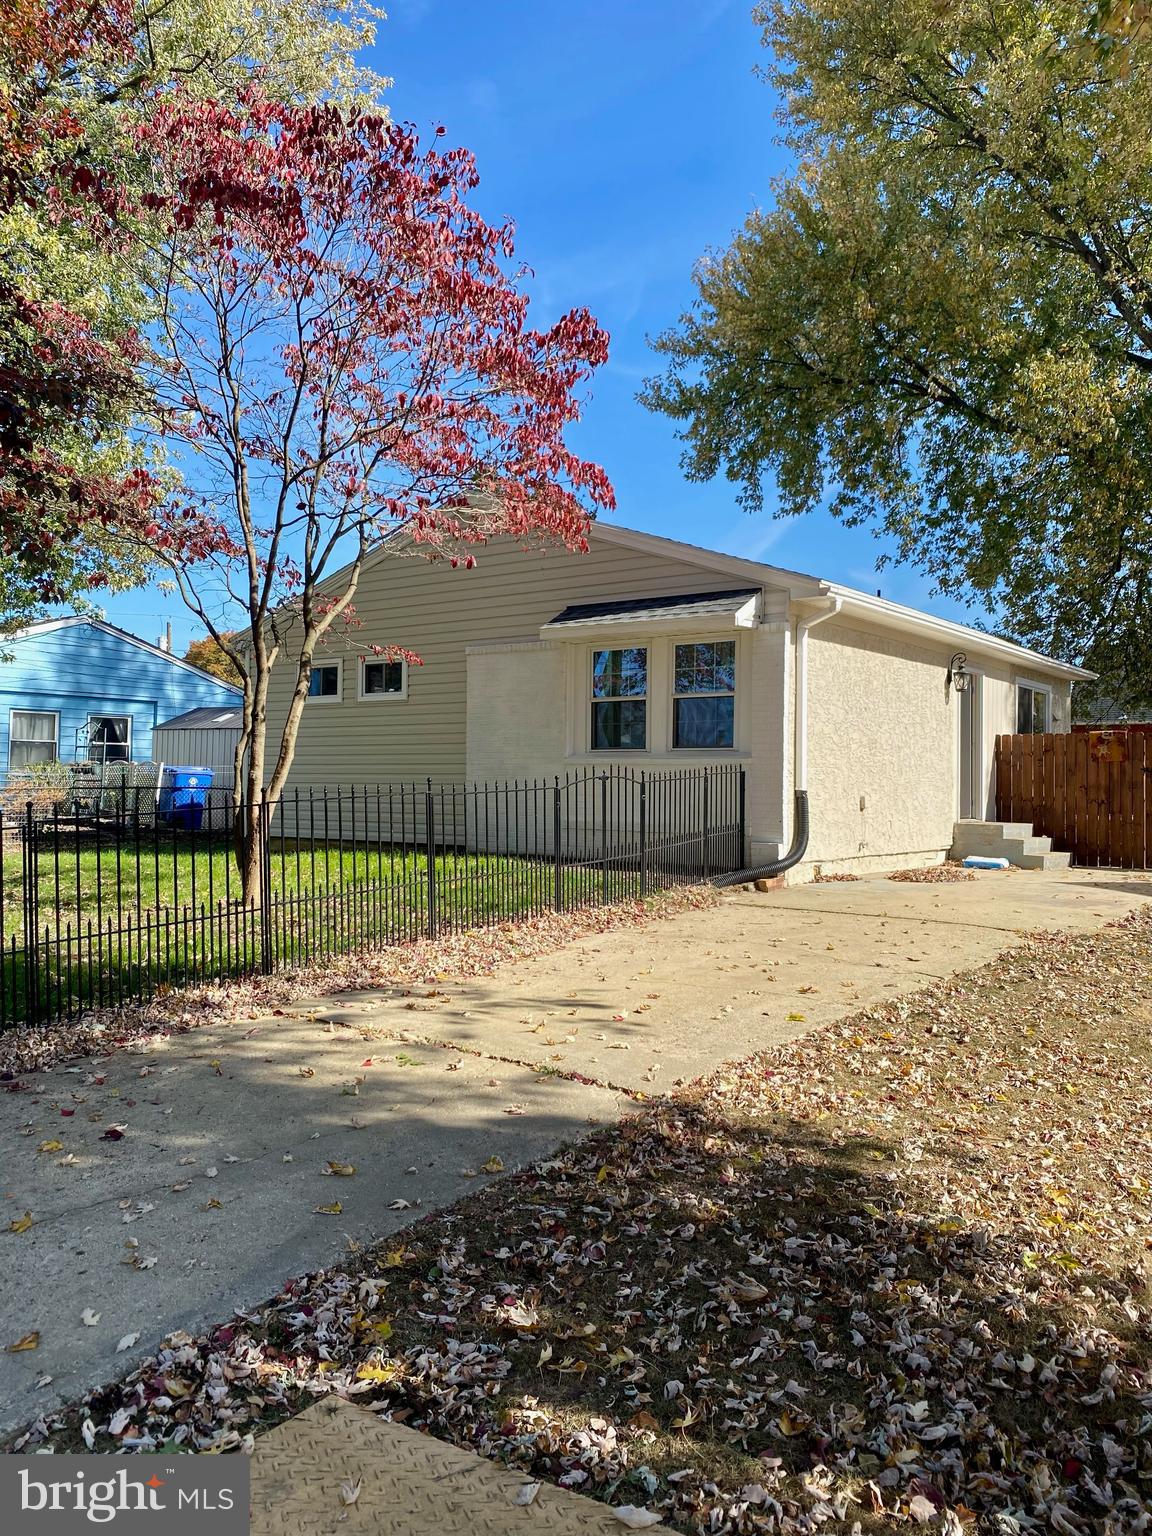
(109, 738)
(33, 738)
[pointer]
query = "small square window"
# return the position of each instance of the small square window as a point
(383, 679)
(325, 681)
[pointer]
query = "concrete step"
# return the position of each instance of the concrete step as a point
(1006, 847)
(1044, 861)
(1011, 840)
(991, 829)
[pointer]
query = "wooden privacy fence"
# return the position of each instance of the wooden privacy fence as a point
(1088, 791)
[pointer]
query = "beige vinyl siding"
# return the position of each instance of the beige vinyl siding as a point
(436, 611)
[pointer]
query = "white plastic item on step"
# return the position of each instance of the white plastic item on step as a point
(978, 861)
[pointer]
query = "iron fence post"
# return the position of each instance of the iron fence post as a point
(557, 865)
(263, 824)
(430, 843)
(31, 872)
(704, 819)
(643, 836)
(604, 838)
(742, 850)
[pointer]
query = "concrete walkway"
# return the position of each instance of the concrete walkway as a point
(191, 1178)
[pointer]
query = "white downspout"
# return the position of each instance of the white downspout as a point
(799, 845)
(800, 731)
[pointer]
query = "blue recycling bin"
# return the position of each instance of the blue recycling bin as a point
(183, 797)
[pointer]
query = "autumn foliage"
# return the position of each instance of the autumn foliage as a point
(348, 357)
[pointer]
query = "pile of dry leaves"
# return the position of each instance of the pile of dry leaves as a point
(935, 874)
(893, 1273)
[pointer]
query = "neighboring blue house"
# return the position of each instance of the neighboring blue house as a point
(81, 690)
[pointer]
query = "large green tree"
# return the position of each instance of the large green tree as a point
(942, 324)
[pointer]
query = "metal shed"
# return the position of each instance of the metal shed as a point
(203, 738)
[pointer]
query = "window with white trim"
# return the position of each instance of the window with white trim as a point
(620, 700)
(1033, 709)
(383, 679)
(704, 694)
(33, 738)
(109, 738)
(326, 683)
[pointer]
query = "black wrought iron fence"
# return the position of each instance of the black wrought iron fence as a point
(106, 900)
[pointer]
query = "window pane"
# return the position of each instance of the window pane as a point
(1023, 711)
(703, 722)
(108, 739)
(707, 668)
(324, 682)
(27, 754)
(1039, 711)
(28, 726)
(620, 674)
(383, 677)
(619, 727)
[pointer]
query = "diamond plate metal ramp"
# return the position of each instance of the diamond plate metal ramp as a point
(411, 1485)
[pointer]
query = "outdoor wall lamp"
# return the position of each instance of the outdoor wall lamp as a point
(958, 676)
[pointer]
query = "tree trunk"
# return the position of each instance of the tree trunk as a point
(248, 831)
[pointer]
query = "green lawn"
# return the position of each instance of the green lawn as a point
(116, 921)
(81, 883)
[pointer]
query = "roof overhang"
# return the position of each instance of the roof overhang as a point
(700, 613)
(975, 642)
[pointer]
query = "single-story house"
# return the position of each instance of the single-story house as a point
(651, 654)
(78, 689)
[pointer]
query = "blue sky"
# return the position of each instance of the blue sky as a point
(624, 137)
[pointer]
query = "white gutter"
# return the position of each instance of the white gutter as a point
(800, 730)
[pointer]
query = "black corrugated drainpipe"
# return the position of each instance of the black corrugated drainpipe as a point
(787, 861)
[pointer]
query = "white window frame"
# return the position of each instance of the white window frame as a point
(12, 713)
(110, 714)
(629, 698)
(329, 698)
(661, 654)
(725, 694)
(1033, 687)
(381, 661)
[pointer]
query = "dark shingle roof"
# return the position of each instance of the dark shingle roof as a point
(691, 605)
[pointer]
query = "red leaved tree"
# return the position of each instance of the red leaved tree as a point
(349, 353)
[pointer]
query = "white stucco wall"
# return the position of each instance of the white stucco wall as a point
(884, 745)
(882, 750)
(528, 703)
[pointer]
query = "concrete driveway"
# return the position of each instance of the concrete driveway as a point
(192, 1178)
